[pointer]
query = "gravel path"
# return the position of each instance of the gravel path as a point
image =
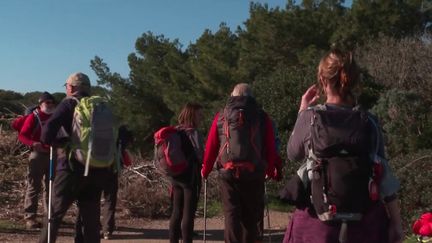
(155, 231)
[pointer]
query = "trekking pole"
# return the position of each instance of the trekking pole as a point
(267, 211)
(51, 170)
(205, 210)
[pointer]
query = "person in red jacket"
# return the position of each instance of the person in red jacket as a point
(242, 142)
(38, 167)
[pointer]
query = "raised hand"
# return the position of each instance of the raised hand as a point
(309, 97)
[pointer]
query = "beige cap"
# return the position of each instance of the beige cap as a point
(78, 79)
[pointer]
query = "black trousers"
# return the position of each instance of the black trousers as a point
(185, 200)
(70, 186)
(109, 195)
(242, 206)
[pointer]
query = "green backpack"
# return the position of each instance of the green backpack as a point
(94, 133)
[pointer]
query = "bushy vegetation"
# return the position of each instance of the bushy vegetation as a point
(13, 169)
(413, 170)
(13, 103)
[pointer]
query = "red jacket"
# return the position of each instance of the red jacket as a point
(212, 149)
(30, 131)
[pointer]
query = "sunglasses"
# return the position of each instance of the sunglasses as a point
(49, 102)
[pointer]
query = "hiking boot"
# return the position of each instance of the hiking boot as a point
(107, 235)
(32, 224)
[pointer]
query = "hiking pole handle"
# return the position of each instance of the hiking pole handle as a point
(51, 164)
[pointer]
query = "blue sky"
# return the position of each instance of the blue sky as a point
(43, 41)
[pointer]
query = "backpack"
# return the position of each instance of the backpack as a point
(18, 122)
(172, 151)
(240, 129)
(340, 168)
(94, 133)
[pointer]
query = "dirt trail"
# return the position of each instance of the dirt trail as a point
(154, 231)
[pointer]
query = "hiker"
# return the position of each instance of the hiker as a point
(352, 194)
(109, 190)
(241, 140)
(74, 180)
(186, 187)
(38, 165)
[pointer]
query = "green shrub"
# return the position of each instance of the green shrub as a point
(413, 171)
(404, 117)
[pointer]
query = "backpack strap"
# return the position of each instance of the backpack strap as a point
(89, 151)
(36, 123)
(70, 146)
(225, 130)
(377, 139)
(375, 159)
(378, 167)
(87, 163)
(319, 107)
(256, 128)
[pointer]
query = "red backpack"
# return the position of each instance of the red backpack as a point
(172, 151)
(18, 122)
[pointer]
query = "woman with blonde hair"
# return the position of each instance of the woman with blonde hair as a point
(327, 220)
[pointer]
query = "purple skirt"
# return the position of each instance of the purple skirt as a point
(304, 228)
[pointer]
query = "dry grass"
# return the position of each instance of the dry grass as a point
(143, 191)
(13, 166)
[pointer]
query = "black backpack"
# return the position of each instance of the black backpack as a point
(341, 166)
(240, 129)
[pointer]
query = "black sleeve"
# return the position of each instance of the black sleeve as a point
(377, 136)
(125, 136)
(62, 117)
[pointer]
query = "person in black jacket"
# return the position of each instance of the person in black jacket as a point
(69, 183)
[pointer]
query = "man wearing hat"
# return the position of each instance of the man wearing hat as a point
(38, 165)
(69, 182)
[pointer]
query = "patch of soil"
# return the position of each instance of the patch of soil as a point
(146, 230)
